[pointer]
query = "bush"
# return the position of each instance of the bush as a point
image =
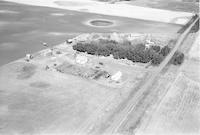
(139, 47)
(165, 51)
(157, 59)
(155, 48)
(103, 52)
(122, 54)
(195, 28)
(178, 58)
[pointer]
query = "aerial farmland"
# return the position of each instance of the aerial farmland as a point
(99, 67)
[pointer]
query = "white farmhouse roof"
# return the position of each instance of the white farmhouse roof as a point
(117, 76)
(81, 59)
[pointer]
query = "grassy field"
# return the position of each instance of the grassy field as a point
(53, 93)
(48, 101)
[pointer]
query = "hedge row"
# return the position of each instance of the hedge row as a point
(138, 53)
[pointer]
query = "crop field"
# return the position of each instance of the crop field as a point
(195, 51)
(178, 113)
(174, 5)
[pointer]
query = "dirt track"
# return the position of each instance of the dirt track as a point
(121, 117)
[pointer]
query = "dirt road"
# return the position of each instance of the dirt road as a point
(119, 119)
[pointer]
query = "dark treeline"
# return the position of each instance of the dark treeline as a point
(138, 53)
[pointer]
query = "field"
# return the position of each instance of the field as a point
(173, 5)
(54, 93)
(51, 102)
(116, 82)
(195, 50)
(178, 113)
(23, 31)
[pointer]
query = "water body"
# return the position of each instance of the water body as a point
(23, 28)
(101, 23)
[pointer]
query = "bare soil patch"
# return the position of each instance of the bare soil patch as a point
(26, 71)
(70, 3)
(39, 84)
